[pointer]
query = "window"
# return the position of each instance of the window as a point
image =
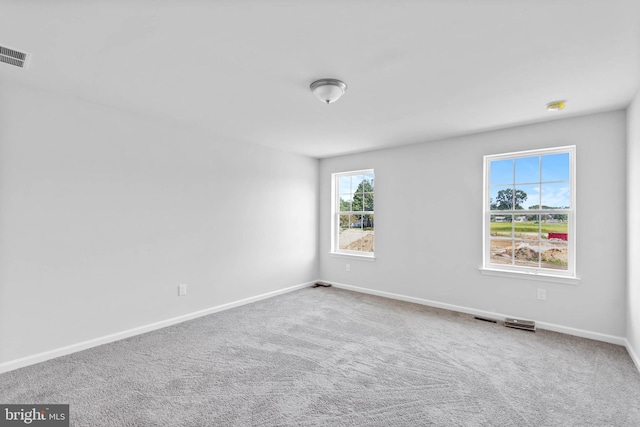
(353, 215)
(529, 212)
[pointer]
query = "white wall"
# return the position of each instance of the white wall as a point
(104, 212)
(633, 221)
(429, 221)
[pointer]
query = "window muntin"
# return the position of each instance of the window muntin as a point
(530, 211)
(353, 216)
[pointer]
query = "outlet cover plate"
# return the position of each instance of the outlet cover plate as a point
(542, 294)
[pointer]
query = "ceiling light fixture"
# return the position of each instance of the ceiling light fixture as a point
(556, 105)
(328, 90)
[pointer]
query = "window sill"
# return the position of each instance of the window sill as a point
(530, 276)
(353, 256)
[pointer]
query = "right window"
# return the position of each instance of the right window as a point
(529, 211)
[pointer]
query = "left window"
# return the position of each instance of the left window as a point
(353, 213)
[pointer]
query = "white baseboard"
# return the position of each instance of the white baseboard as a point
(51, 354)
(491, 315)
(633, 354)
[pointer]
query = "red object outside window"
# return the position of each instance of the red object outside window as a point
(561, 236)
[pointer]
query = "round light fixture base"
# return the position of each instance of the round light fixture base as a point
(328, 90)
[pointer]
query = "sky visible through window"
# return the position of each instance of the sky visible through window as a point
(544, 179)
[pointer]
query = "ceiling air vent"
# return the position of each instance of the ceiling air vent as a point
(14, 57)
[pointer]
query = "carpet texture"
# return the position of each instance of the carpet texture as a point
(330, 357)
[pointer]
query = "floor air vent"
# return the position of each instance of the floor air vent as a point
(527, 325)
(321, 285)
(485, 319)
(14, 57)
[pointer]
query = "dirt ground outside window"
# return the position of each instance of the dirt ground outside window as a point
(357, 240)
(553, 253)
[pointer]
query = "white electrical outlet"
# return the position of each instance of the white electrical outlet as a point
(182, 290)
(542, 294)
(348, 267)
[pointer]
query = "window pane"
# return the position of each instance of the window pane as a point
(358, 202)
(369, 178)
(527, 253)
(526, 227)
(528, 169)
(501, 226)
(356, 183)
(555, 227)
(555, 254)
(501, 232)
(368, 202)
(344, 185)
(501, 198)
(557, 195)
(368, 241)
(501, 172)
(501, 251)
(355, 221)
(355, 241)
(528, 196)
(555, 167)
(526, 232)
(366, 186)
(368, 233)
(344, 221)
(343, 234)
(345, 202)
(367, 222)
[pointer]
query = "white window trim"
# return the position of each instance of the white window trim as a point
(521, 272)
(353, 256)
(365, 256)
(527, 275)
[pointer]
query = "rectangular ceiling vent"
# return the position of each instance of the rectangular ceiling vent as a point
(14, 57)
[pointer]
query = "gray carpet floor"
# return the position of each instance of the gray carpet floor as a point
(330, 357)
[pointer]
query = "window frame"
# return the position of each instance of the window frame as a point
(335, 216)
(540, 273)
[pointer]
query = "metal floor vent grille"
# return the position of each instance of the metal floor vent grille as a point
(14, 57)
(527, 325)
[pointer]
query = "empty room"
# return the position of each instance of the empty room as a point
(320, 213)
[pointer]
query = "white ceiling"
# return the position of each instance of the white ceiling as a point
(416, 70)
